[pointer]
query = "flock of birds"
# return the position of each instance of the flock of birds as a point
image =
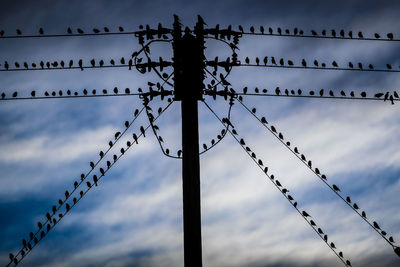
(296, 32)
(387, 96)
(319, 174)
(52, 218)
(286, 194)
(324, 33)
(69, 31)
(275, 62)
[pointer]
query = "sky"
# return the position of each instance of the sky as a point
(134, 216)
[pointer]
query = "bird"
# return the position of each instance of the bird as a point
(363, 94)
(263, 120)
(253, 110)
(378, 95)
(69, 30)
(336, 188)
(15, 94)
(334, 64)
(342, 93)
(304, 63)
(350, 65)
(277, 91)
(360, 66)
(290, 63)
(116, 135)
(252, 29)
(66, 194)
(388, 66)
(80, 63)
(316, 63)
(377, 36)
(91, 164)
(247, 60)
(142, 131)
(305, 214)
(355, 206)
(332, 245)
(321, 92)
(333, 32)
(314, 33)
(281, 62)
(278, 183)
(265, 60)
(348, 199)
(80, 31)
(273, 61)
(101, 154)
(135, 138)
(376, 225)
(106, 29)
(320, 231)
(279, 30)
(179, 153)
(360, 35)
(390, 239)
(95, 179)
(260, 162)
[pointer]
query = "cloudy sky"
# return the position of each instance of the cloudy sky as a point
(134, 216)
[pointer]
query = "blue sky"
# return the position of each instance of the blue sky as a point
(134, 216)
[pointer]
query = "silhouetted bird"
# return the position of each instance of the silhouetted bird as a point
(247, 60)
(396, 95)
(314, 33)
(252, 29)
(355, 206)
(360, 66)
(281, 62)
(390, 36)
(273, 61)
(335, 188)
(334, 64)
(265, 60)
(360, 35)
(80, 31)
(179, 153)
(262, 29)
(378, 95)
(376, 225)
(350, 65)
(388, 66)
(391, 239)
(333, 33)
(333, 245)
(290, 63)
(304, 63)
(342, 93)
(377, 36)
(253, 110)
(142, 131)
(305, 214)
(120, 29)
(315, 63)
(106, 29)
(263, 120)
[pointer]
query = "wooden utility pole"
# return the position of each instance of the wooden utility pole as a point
(188, 83)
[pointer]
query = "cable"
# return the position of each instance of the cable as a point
(123, 151)
(84, 176)
(316, 68)
(66, 96)
(284, 191)
(323, 37)
(322, 177)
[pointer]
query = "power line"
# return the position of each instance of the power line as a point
(315, 68)
(280, 187)
(299, 93)
(316, 36)
(322, 177)
(83, 193)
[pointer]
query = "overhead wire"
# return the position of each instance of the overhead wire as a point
(334, 188)
(82, 194)
(278, 185)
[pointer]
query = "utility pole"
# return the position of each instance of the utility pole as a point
(188, 83)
